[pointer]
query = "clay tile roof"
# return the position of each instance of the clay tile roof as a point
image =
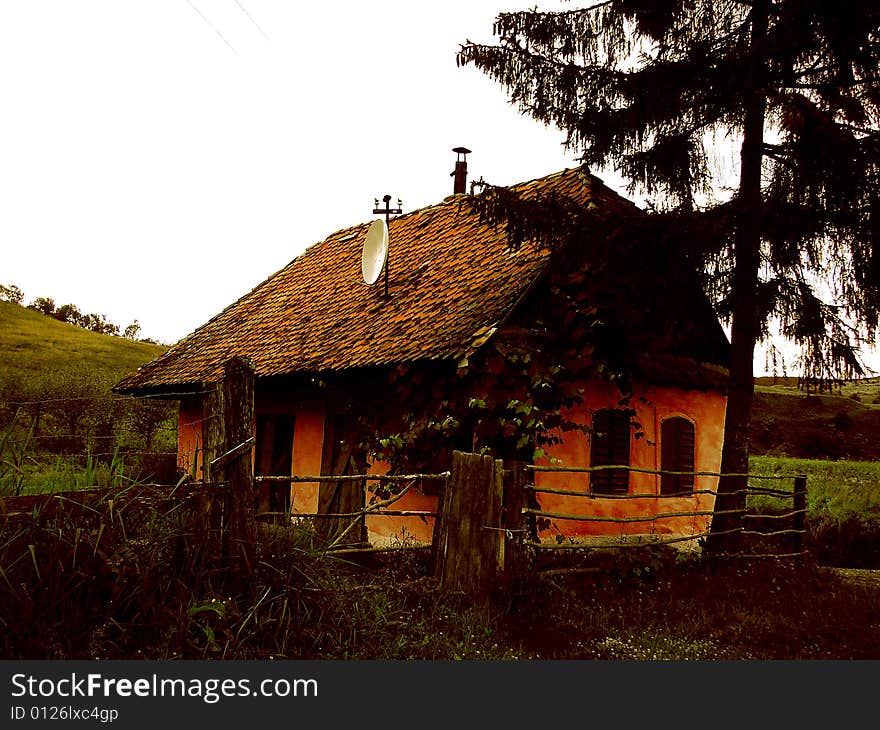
(451, 279)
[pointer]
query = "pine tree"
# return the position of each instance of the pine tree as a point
(648, 86)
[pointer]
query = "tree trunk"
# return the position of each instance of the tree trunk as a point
(744, 321)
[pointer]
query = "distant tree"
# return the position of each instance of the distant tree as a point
(99, 323)
(46, 305)
(69, 313)
(11, 293)
(144, 417)
(647, 85)
(132, 331)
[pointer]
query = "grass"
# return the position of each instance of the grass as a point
(31, 343)
(835, 489)
(696, 610)
(789, 422)
(843, 507)
(866, 390)
(132, 578)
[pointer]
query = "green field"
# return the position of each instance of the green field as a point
(835, 489)
(60, 425)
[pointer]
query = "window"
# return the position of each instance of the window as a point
(676, 454)
(609, 444)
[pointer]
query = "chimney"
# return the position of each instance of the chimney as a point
(460, 173)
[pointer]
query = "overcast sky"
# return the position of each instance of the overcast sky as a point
(160, 158)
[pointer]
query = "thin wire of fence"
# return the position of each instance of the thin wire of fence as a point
(676, 495)
(642, 470)
(112, 398)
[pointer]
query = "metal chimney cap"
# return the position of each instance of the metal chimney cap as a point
(461, 150)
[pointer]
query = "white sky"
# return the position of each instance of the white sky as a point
(152, 170)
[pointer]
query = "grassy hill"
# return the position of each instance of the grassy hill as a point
(842, 424)
(32, 342)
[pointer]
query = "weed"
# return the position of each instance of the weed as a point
(15, 447)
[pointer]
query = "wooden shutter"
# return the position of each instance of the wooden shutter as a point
(677, 439)
(609, 444)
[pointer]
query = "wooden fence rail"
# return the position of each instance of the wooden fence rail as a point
(351, 478)
(484, 526)
(645, 470)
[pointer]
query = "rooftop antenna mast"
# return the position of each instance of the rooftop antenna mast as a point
(388, 211)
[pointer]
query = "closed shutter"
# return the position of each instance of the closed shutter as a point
(609, 444)
(677, 439)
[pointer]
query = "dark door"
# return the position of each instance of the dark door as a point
(340, 457)
(274, 457)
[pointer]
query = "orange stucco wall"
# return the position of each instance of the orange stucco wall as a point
(652, 404)
(384, 530)
(704, 409)
(308, 440)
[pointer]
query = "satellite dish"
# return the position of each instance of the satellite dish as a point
(375, 251)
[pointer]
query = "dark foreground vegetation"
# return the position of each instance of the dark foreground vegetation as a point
(136, 578)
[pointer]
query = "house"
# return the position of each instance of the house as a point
(466, 310)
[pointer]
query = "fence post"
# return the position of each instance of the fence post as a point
(470, 535)
(213, 443)
(441, 527)
(515, 499)
(799, 502)
(239, 526)
(213, 427)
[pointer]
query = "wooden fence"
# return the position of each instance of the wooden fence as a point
(485, 531)
(377, 508)
(789, 522)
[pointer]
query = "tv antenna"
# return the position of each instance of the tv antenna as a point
(388, 211)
